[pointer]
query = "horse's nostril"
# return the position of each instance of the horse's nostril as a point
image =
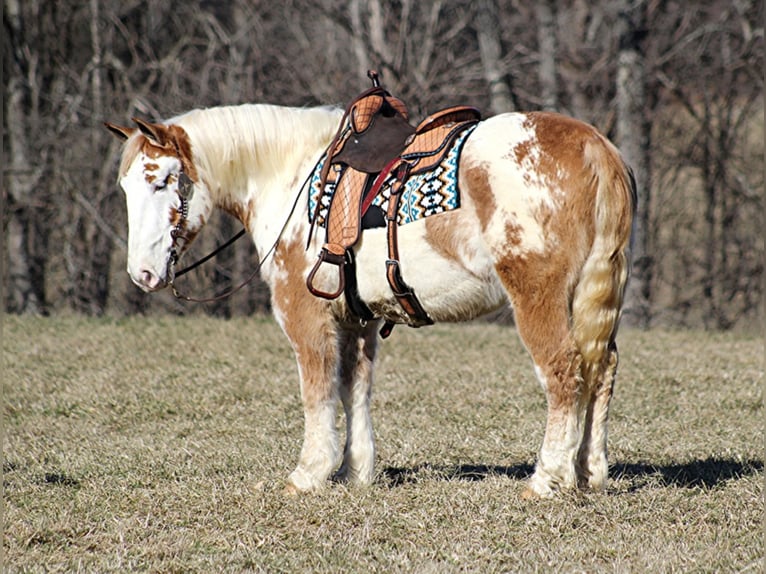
(148, 278)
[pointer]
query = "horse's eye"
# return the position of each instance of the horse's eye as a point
(160, 185)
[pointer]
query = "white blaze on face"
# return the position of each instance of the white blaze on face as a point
(150, 191)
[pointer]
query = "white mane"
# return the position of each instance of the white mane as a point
(228, 140)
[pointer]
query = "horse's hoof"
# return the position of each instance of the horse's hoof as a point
(529, 494)
(537, 490)
(291, 490)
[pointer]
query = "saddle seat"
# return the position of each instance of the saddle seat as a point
(374, 142)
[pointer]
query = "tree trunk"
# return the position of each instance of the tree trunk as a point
(26, 238)
(26, 293)
(633, 139)
(546, 39)
(490, 50)
(91, 248)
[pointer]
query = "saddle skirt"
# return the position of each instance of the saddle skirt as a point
(426, 192)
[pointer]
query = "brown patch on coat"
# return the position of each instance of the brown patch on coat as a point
(184, 148)
(477, 185)
(521, 151)
(513, 233)
(541, 285)
(172, 140)
(243, 213)
(561, 141)
(175, 217)
(184, 235)
(307, 322)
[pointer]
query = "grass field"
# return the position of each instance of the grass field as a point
(162, 445)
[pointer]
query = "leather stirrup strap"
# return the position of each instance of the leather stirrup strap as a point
(344, 218)
(404, 294)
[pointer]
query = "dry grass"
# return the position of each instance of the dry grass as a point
(162, 444)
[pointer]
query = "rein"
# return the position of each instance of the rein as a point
(185, 192)
(210, 255)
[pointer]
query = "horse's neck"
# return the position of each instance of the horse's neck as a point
(254, 159)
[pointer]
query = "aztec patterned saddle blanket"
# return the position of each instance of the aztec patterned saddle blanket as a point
(426, 193)
(379, 171)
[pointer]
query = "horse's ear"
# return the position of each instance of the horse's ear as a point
(121, 132)
(155, 132)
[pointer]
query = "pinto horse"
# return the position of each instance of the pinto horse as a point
(546, 207)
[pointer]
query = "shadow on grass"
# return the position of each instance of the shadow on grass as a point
(705, 473)
(399, 476)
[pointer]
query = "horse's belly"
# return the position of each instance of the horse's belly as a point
(452, 284)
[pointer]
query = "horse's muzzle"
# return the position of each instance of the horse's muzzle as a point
(147, 279)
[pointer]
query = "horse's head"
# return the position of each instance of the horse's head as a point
(165, 207)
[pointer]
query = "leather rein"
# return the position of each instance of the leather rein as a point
(185, 192)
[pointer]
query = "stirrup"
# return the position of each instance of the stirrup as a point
(335, 259)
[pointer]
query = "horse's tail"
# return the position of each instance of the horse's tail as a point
(598, 297)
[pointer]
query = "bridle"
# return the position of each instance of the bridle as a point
(185, 193)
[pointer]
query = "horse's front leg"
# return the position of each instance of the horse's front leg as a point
(357, 347)
(314, 339)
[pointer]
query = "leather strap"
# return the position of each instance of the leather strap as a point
(404, 294)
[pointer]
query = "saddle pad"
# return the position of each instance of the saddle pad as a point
(424, 194)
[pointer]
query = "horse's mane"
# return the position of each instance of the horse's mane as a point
(228, 139)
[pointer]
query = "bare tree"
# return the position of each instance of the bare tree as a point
(490, 50)
(27, 206)
(546, 39)
(711, 74)
(633, 137)
(584, 46)
(89, 247)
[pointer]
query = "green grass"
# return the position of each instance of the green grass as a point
(162, 445)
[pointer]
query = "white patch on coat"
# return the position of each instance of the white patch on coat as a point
(520, 191)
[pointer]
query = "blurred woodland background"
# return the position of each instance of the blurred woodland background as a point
(677, 85)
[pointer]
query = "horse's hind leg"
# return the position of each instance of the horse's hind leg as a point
(592, 467)
(556, 465)
(357, 356)
(543, 325)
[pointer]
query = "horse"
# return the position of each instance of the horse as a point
(544, 222)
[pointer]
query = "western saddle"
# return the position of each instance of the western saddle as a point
(375, 143)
